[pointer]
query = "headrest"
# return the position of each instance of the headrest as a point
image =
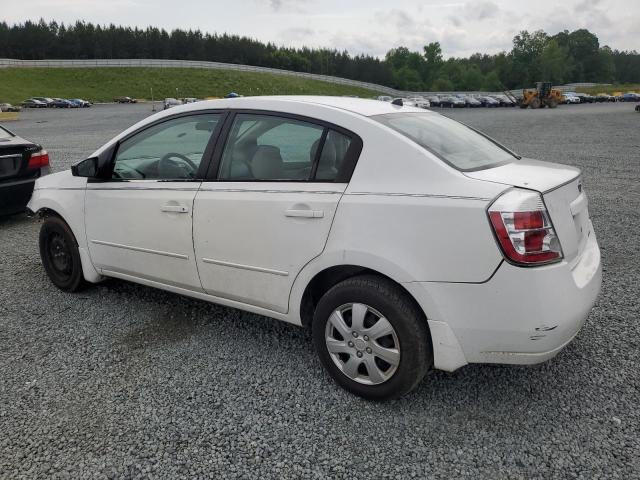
(267, 163)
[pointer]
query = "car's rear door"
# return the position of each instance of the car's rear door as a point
(268, 206)
(139, 222)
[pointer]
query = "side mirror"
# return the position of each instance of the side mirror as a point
(87, 168)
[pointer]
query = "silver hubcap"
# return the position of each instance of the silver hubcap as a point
(362, 343)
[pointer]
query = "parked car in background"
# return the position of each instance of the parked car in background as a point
(170, 102)
(125, 100)
(471, 102)
(190, 100)
(503, 100)
(604, 97)
(384, 98)
(434, 100)
(46, 100)
(570, 97)
(420, 102)
(7, 107)
(630, 97)
(33, 103)
(451, 101)
(487, 101)
(21, 163)
(63, 103)
(458, 251)
(586, 98)
(79, 102)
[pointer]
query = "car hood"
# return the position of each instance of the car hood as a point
(60, 180)
(528, 173)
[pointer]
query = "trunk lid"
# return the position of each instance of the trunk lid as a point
(14, 158)
(563, 194)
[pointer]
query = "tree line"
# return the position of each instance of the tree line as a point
(561, 58)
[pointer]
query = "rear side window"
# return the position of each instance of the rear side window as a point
(453, 142)
(333, 154)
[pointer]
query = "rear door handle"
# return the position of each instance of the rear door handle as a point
(175, 208)
(304, 213)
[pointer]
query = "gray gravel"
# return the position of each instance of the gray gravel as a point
(123, 381)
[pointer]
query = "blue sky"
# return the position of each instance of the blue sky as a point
(373, 27)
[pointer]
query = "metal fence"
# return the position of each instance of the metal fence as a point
(157, 63)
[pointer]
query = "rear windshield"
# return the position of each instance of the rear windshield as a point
(456, 144)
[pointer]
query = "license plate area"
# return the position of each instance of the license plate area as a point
(10, 165)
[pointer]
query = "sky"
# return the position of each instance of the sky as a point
(359, 26)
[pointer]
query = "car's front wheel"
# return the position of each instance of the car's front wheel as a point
(372, 338)
(60, 255)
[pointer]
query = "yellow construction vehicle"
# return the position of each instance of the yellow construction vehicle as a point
(544, 95)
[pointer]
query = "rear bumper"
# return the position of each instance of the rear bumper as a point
(15, 194)
(519, 316)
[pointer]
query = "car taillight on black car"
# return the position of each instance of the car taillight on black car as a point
(38, 160)
(523, 228)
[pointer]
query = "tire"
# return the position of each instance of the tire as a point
(535, 103)
(407, 346)
(60, 256)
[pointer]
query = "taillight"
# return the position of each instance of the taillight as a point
(38, 160)
(523, 228)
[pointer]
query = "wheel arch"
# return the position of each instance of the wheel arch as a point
(330, 276)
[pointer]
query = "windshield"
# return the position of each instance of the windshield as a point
(458, 145)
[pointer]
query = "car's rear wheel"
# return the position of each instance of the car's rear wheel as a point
(372, 338)
(60, 255)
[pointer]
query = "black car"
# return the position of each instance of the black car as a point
(489, 102)
(125, 100)
(21, 163)
(452, 101)
(434, 100)
(586, 98)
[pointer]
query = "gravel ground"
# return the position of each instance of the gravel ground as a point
(124, 381)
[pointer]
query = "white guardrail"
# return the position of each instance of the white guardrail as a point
(158, 63)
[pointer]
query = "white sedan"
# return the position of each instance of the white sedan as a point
(403, 239)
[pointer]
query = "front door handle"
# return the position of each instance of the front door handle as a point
(175, 208)
(304, 213)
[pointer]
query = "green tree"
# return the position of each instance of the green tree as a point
(554, 63)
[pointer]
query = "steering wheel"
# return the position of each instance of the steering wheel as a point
(167, 164)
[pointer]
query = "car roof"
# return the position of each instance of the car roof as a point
(360, 106)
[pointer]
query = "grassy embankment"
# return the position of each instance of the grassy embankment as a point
(103, 84)
(627, 87)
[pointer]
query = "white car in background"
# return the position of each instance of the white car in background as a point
(403, 239)
(420, 102)
(571, 97)
(384, 98)
(171, 102)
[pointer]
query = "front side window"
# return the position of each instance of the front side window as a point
(266, 147)
(171, 150)
(455, 143)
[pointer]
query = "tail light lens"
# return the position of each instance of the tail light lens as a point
(523, 228)
(38, 160)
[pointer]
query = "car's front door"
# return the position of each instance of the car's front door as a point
(139, 222)
(270, 209)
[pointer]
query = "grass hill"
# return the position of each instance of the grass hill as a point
(103, 84)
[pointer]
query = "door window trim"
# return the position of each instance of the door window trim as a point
(343, 175)
(107, 169)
